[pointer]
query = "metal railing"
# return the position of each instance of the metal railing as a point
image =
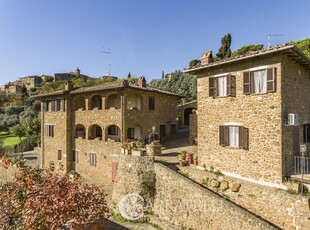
(302, 165)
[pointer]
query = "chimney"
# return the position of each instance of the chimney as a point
(142, 82)
(206, 58)
(68, 85)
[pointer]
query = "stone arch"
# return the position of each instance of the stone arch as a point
(95, 102)
(79, 103)
(113, 101)
(79, 131)
(94, 132)
(134, 101)
(113, 133)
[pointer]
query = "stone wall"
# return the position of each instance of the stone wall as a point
(185, 203)
(81, 110)
(101, 173)
(261, 114)
(131, 172)
(193, 128)
(286, 210)
(51, 145)
(179, 200)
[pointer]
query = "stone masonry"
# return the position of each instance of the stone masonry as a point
(179, 200)
(270, 152)
(83, 129)
(288, 211)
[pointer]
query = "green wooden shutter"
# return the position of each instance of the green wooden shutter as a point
(246, 83)
(271, 80)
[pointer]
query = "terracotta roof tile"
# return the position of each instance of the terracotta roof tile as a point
(248, 55)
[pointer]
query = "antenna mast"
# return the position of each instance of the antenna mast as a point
(108, 51)
(272, 35)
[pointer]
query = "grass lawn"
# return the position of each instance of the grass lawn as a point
(7, 139)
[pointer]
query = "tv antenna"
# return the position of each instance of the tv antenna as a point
(108, 51)
(272, 35)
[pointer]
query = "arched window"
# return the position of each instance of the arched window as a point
(79, 103)
(113, 133)
(114, 101)
(80, 131)
(95, 132)
(134, 101)
(96, 102)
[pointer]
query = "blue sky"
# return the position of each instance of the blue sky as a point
(145, 36)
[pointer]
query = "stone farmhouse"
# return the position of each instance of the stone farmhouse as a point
(85, 128)
(69, 76)
(253, 112)
(10, 88)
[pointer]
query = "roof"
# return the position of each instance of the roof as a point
(288, 49)
(188, 103)
(106, 86)
(48, 94)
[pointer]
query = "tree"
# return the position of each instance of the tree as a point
(44, 199)
(248, 48)
(180, 83)
(224, 50)
(193, 63)
(129, 75)
(303, 45)
(18, 131)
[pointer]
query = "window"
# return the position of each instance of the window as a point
(92, 159)
(49, 130)
(234, 136)
(54, 105)
(151, 103)
(131, 133)
(259, 81)
(222, 86)
(59, 154)
(306, 133)
(113, 130)
(75, 156)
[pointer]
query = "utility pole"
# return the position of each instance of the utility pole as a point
(108, 51)
(272, 35)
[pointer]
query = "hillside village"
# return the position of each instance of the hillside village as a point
(234, 156)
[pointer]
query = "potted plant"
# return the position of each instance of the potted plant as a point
(190, 158)
(182, 158)
(182, 155)
(126, 149)
(138, 149)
